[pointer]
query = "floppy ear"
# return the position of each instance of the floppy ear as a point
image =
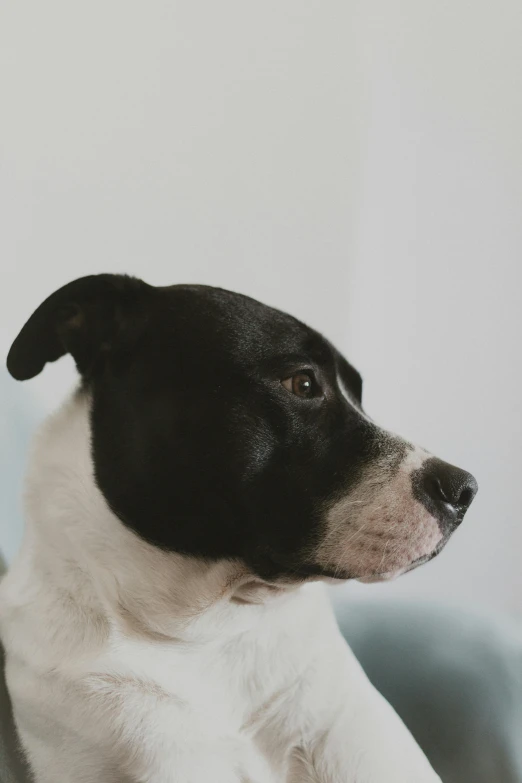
(82, 319)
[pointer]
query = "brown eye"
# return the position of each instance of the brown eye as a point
(301, 384)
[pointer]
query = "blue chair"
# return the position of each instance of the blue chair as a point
(454, 677)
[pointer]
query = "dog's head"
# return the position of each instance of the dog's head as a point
(222, 428)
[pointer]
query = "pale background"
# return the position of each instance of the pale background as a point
(358, 164)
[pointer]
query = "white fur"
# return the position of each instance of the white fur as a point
(127, 664)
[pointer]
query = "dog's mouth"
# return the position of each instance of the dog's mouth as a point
(338, 575)
(388, 576)
(386, 566)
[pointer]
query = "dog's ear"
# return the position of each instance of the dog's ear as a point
(83, 318)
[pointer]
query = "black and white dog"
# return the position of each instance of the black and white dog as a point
(165, 621)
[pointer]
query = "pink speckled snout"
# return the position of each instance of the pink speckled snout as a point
(379, 530)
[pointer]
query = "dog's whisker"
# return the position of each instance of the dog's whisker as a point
(357, 533)
(383, 556)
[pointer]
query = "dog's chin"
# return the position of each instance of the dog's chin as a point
(389, 576)
(371, 579)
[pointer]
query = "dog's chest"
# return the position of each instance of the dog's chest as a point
(237, 693)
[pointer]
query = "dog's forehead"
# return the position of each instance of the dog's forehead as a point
(228, 308)
(213, 317)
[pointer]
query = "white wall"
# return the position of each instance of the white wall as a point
(357, 164)
(189, 141)
(192, 141)
(437, 319)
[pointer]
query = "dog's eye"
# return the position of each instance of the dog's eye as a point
(301, 384)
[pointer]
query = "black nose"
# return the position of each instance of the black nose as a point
(446, 491)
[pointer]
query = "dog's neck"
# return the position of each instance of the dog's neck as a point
(79, 546)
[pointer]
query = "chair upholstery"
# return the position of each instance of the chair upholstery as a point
(455, 678)
(13, 768)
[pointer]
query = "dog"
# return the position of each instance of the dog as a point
(167, 620)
